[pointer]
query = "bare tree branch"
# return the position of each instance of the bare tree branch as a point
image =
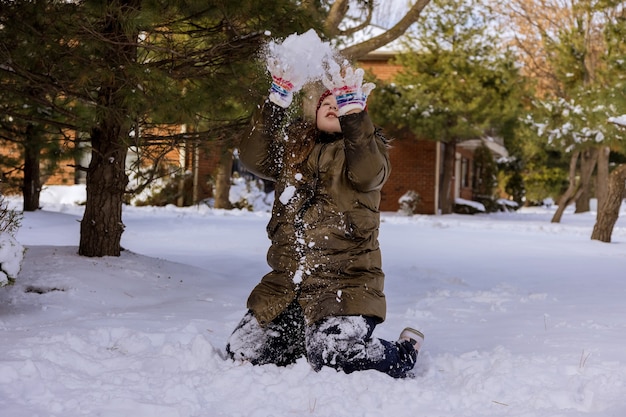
(336, 15)
(361, 49)
(366, 22)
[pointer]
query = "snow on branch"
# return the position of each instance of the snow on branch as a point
(619, 120)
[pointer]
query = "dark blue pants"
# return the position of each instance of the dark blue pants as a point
(341, 342)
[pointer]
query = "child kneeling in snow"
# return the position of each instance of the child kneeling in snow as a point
(324, 295)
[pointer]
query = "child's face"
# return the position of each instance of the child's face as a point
(328, 116)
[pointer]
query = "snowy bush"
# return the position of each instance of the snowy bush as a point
(487, 205)
(163, 190)
(11, 256)
(507, 205)
(11, 252)
(408, 203)
(247, 194)
(463, 206)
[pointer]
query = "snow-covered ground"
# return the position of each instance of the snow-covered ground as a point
(522, 318)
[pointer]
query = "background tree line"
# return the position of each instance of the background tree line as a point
(547, 76)
(115, 74)
(112, 75)
(573, 52)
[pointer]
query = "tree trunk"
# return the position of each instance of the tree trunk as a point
(222, 180)
(570, 193)
(602, 176)
(446, 203)
(101, 227)
(31, 186)
(588, 160)
(609, 211)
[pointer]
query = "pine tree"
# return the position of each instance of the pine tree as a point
(34, 119)
(455, 85)
(485, 178)
(114, 70)
(569, 50)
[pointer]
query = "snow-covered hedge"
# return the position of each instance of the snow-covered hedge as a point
(11, 256)
(11, 252)
(463, 206)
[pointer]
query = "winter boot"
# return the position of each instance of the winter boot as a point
(415, 337)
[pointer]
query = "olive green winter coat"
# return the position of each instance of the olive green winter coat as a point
(324, 228)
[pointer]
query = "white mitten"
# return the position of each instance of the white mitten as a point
(285, 81)
(349, 89)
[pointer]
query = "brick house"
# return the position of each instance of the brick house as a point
(417, 163)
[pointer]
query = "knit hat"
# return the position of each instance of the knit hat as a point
(322, 97)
